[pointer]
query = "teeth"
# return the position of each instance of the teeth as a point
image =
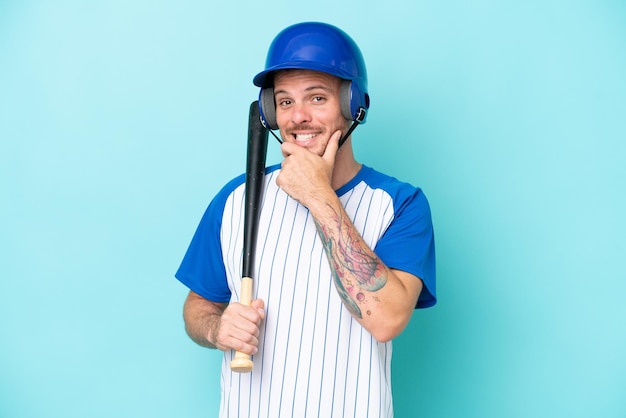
(304, 137)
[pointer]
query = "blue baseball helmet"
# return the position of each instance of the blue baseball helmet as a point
(319, 47)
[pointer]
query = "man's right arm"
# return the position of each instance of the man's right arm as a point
(202, 318)
(222, 325)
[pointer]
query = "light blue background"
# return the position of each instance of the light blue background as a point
(119, 120)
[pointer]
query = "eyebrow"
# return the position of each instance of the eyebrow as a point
(308, 89)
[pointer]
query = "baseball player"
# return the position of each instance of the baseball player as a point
(344, 253)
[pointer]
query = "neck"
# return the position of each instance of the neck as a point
(346, 167)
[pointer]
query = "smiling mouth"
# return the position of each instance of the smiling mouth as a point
(303, 137)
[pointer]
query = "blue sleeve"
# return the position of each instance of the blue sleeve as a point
(409, 242)
(202, 269)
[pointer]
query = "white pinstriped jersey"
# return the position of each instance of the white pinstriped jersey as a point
(314, 359)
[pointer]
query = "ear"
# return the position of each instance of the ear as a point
(345, 99)
(354, 102)
(268, 108)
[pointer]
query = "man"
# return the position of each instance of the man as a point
(344, 253)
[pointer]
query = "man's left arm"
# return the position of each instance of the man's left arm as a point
(380, 298)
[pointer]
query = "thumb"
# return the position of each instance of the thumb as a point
(331, 149)
(259, 305)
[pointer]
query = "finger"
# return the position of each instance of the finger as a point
(331, 149)
(239, 337)
(259, 305)
(252, 314)
(288, 148)
(244, 342)
(249, 349)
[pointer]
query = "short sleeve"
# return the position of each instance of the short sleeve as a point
(408, 244)
(202, 269)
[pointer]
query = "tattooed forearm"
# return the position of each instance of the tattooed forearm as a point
(354, 266)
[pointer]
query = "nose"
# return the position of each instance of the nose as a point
(300, 113)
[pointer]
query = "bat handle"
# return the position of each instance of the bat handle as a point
(242, 362)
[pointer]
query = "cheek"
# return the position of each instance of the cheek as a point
(331, 120)
(342, 124)
(280, 117)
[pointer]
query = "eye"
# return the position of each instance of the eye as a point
(284, 102)
(318, 99)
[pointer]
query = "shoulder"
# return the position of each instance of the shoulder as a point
(400, 192)
(234, 191)
(237, 184)
(381, 180)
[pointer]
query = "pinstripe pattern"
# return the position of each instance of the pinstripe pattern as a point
(314, 360)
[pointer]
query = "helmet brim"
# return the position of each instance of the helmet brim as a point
(265, 78)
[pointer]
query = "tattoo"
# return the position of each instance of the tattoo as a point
(354, 267)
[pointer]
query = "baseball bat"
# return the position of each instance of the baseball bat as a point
(255, 173)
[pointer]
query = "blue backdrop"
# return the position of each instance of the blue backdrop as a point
(119, 121)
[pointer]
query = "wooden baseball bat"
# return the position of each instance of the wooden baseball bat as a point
(255, 173)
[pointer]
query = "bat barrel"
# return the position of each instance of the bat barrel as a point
(255, 174)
